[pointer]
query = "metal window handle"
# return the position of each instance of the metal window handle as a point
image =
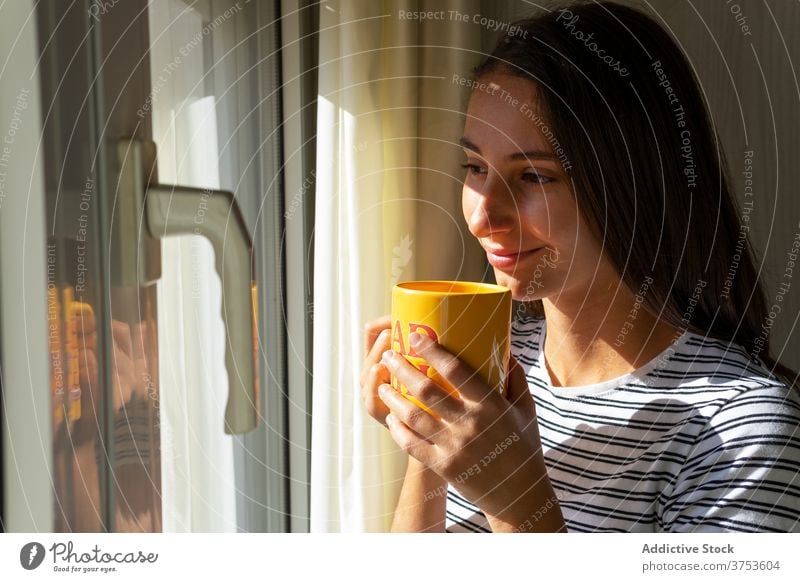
(173, 210)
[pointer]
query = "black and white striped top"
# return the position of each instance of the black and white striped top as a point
(699, 439)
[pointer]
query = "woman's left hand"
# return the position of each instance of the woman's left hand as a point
(485, 445)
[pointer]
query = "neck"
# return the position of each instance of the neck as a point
(601, 336)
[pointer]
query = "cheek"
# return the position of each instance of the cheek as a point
(586, 242)
(465, 204)
(473, 217)
(543, 220)
(469, 200)
(581, 252)
(555, 217)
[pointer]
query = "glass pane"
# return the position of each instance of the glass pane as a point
(74, 288)
(102, 324)
(202, 140)
(139, 366)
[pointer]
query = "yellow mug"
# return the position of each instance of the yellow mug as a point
(470, 320)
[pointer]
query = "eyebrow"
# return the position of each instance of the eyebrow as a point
(532, 154)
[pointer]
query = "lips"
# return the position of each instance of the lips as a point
(502, 259)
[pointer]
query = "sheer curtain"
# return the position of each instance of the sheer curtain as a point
(388, 190)
(198, 484)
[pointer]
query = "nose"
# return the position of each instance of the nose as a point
(491, 210)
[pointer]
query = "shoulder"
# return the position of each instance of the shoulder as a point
(741, 471)
(720, 368)
(749, 413)
(736, 397)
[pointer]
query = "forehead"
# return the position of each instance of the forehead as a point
(504, 112)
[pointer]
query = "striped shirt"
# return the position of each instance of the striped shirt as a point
(702, 438)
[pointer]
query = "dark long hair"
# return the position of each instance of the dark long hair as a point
(632, 131)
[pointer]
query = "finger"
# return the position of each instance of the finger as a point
(518, 392)
(87, 368)
(380, 345)
(87, 342)
(374, 328)
(379, 374)
(139, 337)
(516, 382)
(121, 333)
(410, 414)
(455, 372)
(140, 359)
(408, 440)
(83, 316)
(443, 401)
(369, 393)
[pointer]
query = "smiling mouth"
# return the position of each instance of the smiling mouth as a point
(509, 259)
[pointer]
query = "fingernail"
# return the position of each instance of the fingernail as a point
(389, 419)
(382, 391)
(387, 356)
(415, 339)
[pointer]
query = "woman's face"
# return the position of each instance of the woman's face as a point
(518, 201)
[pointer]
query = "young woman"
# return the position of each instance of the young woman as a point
(641, 395)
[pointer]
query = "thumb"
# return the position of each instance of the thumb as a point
(517, 390)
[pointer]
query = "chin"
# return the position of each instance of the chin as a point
(519, 289)
(523, 287)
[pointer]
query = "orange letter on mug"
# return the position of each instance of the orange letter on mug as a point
(398, 339)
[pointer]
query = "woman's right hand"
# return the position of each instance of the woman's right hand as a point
(414, 513)
(377, 339)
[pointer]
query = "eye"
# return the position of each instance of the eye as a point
(474, 169)
(534, 177)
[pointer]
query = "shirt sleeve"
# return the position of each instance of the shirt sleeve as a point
(743, 472)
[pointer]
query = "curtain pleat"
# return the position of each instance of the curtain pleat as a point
(388, 189)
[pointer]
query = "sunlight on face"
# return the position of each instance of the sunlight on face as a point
(518, 201)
